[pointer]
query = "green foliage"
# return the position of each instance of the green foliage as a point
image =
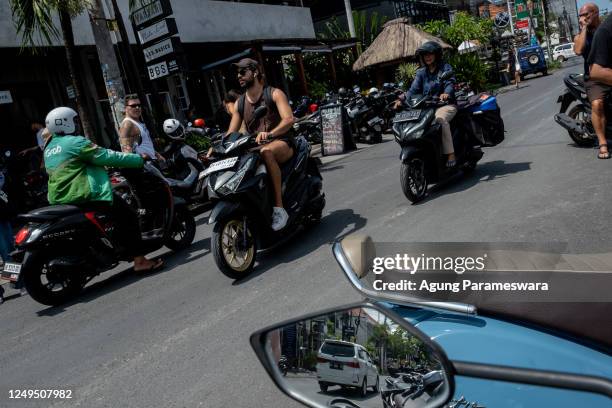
(367, 28)
(406, 72)
(464, 28)
(33, 19)
(198, 142)
(471, 69)
(310, 360)
(553, 64)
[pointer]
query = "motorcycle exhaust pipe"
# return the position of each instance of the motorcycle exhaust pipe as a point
(569, 123)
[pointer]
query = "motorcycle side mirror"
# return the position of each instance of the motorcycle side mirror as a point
(346, 359)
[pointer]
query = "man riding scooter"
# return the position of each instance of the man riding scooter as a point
(77, 176)
(273, 130)
(427, 82)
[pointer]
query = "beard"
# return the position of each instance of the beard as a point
(247, 84)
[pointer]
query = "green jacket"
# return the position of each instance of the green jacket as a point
(76, 169)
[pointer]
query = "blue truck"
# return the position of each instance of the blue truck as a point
(532, 60)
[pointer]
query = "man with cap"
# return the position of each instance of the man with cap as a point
(274, 130)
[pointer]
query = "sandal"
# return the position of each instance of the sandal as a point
(603, 155)
(157, 265)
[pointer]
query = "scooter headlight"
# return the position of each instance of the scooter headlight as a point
(232, 184)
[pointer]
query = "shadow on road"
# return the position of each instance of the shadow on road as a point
(334, 226)
(484, 172)
(324, 169)
(128, 277)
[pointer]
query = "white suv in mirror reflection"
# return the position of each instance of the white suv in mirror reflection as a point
(346, 364)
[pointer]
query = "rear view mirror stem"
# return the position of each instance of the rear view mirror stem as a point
(345, 265)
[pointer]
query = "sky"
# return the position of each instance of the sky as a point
(603, 4)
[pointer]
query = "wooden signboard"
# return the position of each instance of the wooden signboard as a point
(332, 129)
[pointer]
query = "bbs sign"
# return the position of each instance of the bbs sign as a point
(162, 69)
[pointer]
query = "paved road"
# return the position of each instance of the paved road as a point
(179, 338)
(309, 387)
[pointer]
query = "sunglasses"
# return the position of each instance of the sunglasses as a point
(135, 106)
(243, 72)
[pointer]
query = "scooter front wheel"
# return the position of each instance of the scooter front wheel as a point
(183, 230)
(234, 247)
(413, 179)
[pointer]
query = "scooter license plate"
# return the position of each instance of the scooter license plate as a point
(220, 165)
(11, 271)
(408, 115)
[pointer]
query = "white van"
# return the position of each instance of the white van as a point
(346, 364)
(563, 52)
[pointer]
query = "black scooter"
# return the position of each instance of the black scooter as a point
(577, 120)
(242, 217)
(477, 123)
(184, 170)
(62, 247)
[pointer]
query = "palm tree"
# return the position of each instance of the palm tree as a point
(33, 19)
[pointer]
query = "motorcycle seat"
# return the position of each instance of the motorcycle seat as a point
(47, 213)
(298, 159)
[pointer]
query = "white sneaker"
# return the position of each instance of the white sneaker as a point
(279, 218)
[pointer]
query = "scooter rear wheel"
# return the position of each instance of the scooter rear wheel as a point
(234, 259)
(46, 287)
(580, 114)
(413, 179)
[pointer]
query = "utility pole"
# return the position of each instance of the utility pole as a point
(349, 18)
(108, 61)
(546, 31)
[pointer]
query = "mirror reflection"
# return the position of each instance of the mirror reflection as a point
(356, 358)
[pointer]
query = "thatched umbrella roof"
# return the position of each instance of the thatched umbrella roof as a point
(397, 41)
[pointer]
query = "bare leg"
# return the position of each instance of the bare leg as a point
(599, 123)
(273, 154)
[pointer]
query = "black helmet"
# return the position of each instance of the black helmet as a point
(430, 47)
(342, 91)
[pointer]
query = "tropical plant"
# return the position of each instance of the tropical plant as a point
(367, 28)
(34, 21)
(406, 72)
(471, 69)
(464, 28)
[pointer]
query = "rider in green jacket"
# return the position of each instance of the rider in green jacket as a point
(77, 176)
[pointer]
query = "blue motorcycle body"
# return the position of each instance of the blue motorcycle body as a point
(488, 340)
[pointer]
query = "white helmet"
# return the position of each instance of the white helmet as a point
(61, 121)
(373, 90)
(174, 129)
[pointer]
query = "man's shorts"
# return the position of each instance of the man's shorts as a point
(597, 90)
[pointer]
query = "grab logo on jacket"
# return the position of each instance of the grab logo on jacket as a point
(54, 151)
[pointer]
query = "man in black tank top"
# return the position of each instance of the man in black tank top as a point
(272, 130)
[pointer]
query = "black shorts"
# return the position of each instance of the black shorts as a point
(596, 90)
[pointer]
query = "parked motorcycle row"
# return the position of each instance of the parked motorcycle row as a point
(369, 114)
